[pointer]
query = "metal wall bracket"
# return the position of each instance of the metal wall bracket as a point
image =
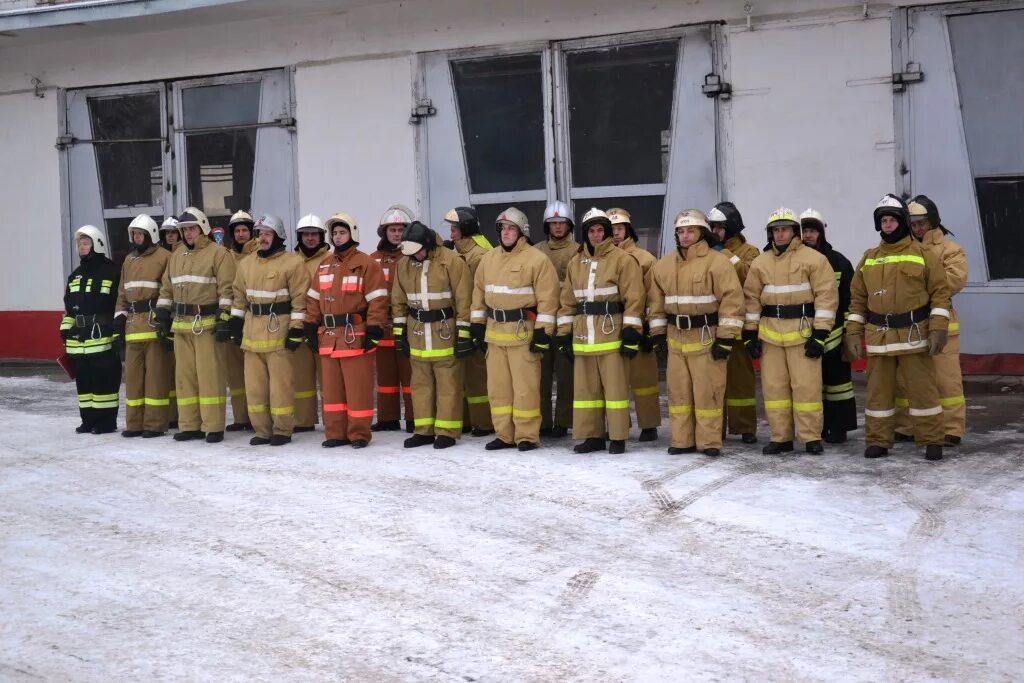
(423, 109)
(65, 141)
(714, 86)
(902, 79)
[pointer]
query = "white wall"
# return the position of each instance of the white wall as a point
(31, 261)
(811, 124)
(356, 150)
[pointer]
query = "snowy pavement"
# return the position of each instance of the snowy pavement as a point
(150, 560)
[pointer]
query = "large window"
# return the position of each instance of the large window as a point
(221, 144)
(605, 122)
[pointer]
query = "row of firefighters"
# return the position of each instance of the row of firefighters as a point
(482, 339)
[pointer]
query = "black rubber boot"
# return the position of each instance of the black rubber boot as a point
(443, 442)
(410, 426)
(776, 447)
(527, 446)
(152, 435)
(258, 441)
(748, 438)
(835, 437)
(933, 452)
(334, 443)
(589, 446)
(238, 427)
(902, 438)
(417, 440)
(104, 429)
(389, 426)
(712, 452)
(131, 433)
(188, 436)
(214, 437)
(814, 447)
(559, 432)
(83, 429)
(360, 443)
(480, 431)
(545, 431)
(498, 445)
(953, 440)
(681, 450)
(279, 439)
(649, 434)
(616, 447)
(875, 452)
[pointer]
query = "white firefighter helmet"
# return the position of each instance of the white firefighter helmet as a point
(309, 223)
(396, 214)
(692, 218)
(917, 210)
(243, 217)
(715, 215)
(558, 211)
(342, 218)
(595, 215)
(193, 216)
(145, 222)
(783, 215)
(617, 216)
(269, 221)
(515, 217)
(813, 215)
(99, 240)
(170, 223)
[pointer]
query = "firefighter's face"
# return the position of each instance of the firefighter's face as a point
(340, 235)
(190, 233)
(84, 245)
(456, 232)
(619, 233)
(242, 233)
(509, 233)
(810, 234)
(138, 236)
(889, 224)
(919, 226)
(171, 237)
(310, 238)
(558, 229)
(266, 238)
(782, 234)
(687, 236)
(595, 234)
(393, 233)
(719, 230)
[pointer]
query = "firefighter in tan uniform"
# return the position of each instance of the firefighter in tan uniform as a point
(195, 304)
(900, 300)
(515, 298)
(696, 304)
(147, 380)
(346, 307)
(927, 229)
(267, 317)
(313, 248)
(394, 379)
(240, 244)
(643, 367)
(740, 393)
(170, 240)
(471, 246)
(431, 301)
(791, 302)
(599, 328)
(555, 367)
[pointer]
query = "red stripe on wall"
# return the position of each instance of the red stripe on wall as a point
(30, 334)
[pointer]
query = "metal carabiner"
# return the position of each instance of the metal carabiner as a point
(350, 333)
(152, 318)
(521, 331)
(706, 338)
(885, 324)
(910, 334)
(607, 324)
(198, 320)
(273, 322)
(805, 325)
(445, 333)
(95, 333)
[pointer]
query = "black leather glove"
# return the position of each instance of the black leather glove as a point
(630, 342)
(309, 330)
(464, 345)
(478, 332)
(646, 343)
(541, 342)
(752, 343)
(814, 347)
(222, 327)
(401, 341)
(162, 323)
(372, 337)
(659, 343)
(235, 326)
(117, 335)
(294, 339)
(721, 348)
(563, 343)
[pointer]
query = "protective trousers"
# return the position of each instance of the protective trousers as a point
(643, 382)
(270, 388)
(477, 407)
(147, 386)
(348, 397)
(840, 414)
(923, 397)
(513, 383)
(306, 369)
(394, 380)
(437, 396)
(696, 396)
(950, 382)
(234, 363)
(172, 411)
(740, 396)
(791, 386)
(556, 370)
(600, 397)
(98, 381)
(199, 379)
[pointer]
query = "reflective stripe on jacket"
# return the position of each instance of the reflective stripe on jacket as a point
(200, 276)
(279, 278)
(91, 290)
(141, 275)
(347, 283)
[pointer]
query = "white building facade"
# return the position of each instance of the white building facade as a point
(111, 108)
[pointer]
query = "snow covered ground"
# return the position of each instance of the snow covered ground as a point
(150, 560)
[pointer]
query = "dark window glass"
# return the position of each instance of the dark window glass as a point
(118, 239)
(131, 173)
(501, 107)
(214, 106)
(1001, 203)
(220, 172)
(645, 212)
(125, 117)
(620, 107)
(488, 214)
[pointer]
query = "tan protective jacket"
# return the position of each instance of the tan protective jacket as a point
(388, 262)
(472, 250)
(700, 283)
(140, 281)
(799, 275)
(280, 278)
(440, 281)
(742, 267)
(313, 262)
(738, 245)
(954, 260)
(200, 276)
(520, 278)
(893, 279)
(609, 275)
(560, 252)
(351, 282)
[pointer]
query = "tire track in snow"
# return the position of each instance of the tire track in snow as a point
(669, 506)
